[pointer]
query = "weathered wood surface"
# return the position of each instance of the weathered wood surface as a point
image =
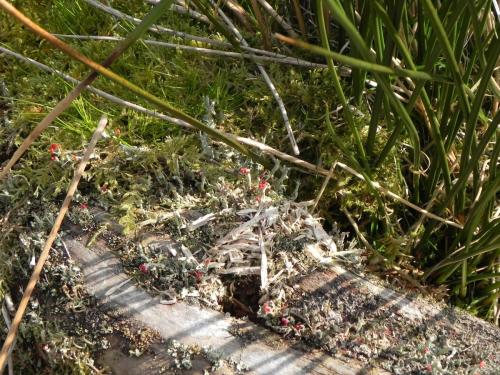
(267, 354)
(412, 323)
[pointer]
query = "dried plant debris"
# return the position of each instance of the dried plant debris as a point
(215, 258)
(185, 355)
(198, 255)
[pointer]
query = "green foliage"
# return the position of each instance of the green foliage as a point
(446, 121)
(432, 139)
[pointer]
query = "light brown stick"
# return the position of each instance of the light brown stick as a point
(35, 276)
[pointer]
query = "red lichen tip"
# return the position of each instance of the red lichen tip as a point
(262, 184)
(244, 171)
(266, 308)
(53, 148)
(284, 321)
(143, 268)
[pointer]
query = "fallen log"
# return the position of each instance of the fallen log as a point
(267, 353)
(373, 329)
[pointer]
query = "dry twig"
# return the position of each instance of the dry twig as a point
(35, 276)
(207, 51)
(285, 25)
(7, 321)
(164, 30)
(267, 79)
(323, 186)
(189, 12)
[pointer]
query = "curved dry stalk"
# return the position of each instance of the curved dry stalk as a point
(35, 276)
(73, 94)
(207, 51)
(301, 164)
(267, 79)
(285, 25)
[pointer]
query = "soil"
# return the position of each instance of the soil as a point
(244, 301)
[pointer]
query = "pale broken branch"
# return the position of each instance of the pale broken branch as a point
(267, 79)
(206, 51)
(264, 282)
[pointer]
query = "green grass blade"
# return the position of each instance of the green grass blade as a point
(226, 138)
(443, 39)
(379, 93)
(358, 63)
(492, 58)
(365, 28)
(338, 88)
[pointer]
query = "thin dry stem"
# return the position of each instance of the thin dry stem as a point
(7, 321)
(239, 12)
(264, 27)
(207, 51)
(35, 276)
(103, 94)
(285, 25)
(323, 186)
(154, 28)
(300, 17)
(267, 79)
(163, 30)
(264, 281)
(189, 12)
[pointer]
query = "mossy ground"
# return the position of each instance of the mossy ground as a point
(139, 165)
